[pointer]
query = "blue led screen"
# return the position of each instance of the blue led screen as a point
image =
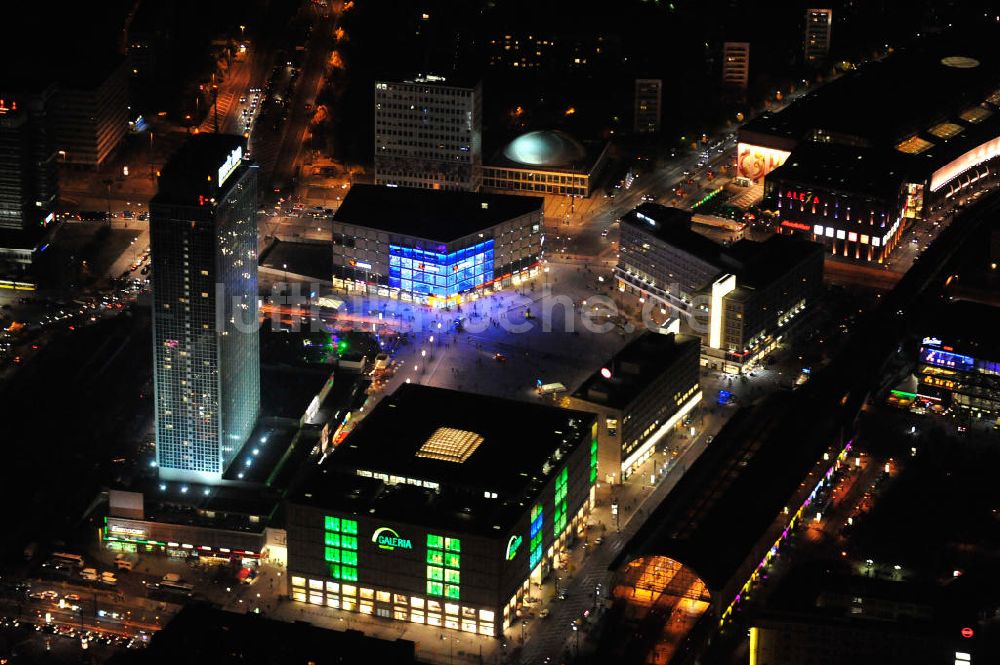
(947, 359)
(437, 274)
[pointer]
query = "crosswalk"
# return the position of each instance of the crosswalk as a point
(225, 102)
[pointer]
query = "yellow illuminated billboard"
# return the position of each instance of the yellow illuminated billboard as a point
(755, 162)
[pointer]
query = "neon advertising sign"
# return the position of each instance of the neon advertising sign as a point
(231, 164)
(388, 539)
(796, 225)
(804, 197)
(512, 546)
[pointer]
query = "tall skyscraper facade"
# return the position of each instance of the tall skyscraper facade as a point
(206, 352)
(428, 134)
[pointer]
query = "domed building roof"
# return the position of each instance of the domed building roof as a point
(549, 147)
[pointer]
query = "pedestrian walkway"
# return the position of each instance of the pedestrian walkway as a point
(553, 635)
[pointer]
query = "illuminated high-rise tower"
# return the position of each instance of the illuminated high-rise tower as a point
(205, 348)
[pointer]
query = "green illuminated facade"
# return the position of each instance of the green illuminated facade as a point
(444, 561)
(559, 520)
(447, 538)
(341, 548)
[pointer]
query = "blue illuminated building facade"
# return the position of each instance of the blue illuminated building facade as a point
(434, 247)
(962, 374)
(431, 273)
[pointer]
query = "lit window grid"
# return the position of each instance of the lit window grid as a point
(341, 547)
(537, 519)
(559, 513)
(207, 380)
(593, 461)
(413, 609)
(438, 274)
(443, 569)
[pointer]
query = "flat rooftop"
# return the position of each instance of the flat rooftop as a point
(883, 102)
(637, 365)
(673, 226)
(458, 446)
(432, 214)
(970, 328)
(764, 262)
(196, 167)
(841, 168)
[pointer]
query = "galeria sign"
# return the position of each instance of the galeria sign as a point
(387, 539)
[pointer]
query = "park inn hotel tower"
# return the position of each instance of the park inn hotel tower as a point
(205, 346)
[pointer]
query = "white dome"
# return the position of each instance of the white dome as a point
(549, 147)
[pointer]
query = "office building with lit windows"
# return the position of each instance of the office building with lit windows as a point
(640, 395)
(442, 508)
(28, 184)
(428, 133)
(736, 64)
(819, 25)
(958, 366)
(648, 104)
(740, 299)
(203, 238)
(852, 164)
(434, 247)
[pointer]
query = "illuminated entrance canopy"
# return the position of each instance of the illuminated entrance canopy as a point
(388, 539)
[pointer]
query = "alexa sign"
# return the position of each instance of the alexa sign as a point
(387, 539)
(230, 165)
